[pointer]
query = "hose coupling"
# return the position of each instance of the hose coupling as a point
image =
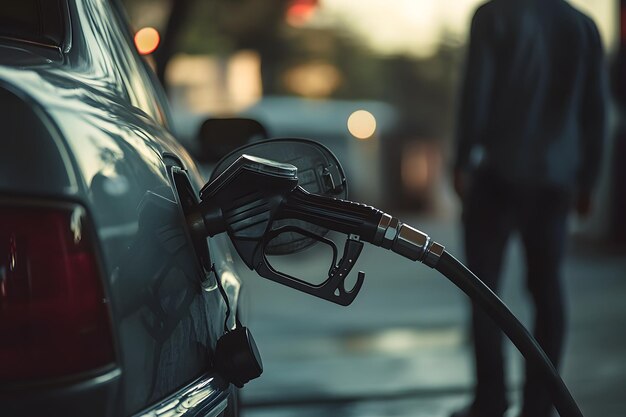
(407, 241)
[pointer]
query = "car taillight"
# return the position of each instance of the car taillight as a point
(54, 320)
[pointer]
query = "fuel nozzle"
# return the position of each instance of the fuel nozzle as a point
(243, 200)
(252, 199)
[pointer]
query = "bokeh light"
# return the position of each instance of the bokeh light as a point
(299, 12)
(362, 124)
(147, 40)
(313, 79)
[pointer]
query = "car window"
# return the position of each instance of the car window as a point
(110, 55)
(134, 72)
(38, 21)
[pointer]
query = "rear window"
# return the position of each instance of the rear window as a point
(38, 21)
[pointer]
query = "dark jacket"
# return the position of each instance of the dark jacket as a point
(534, 103)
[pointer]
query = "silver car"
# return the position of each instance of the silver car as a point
(107, 306)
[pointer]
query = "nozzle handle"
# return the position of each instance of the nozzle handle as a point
(332, 213)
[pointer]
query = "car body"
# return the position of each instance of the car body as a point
(93, 182)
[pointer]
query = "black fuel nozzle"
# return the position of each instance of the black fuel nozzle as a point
(244, 200)
(253, 195)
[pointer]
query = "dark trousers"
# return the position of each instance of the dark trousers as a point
(493, 211)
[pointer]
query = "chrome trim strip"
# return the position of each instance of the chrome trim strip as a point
(205, 392)
(109, 376)
(49, 46)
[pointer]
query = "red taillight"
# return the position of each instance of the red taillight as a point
(53, 317)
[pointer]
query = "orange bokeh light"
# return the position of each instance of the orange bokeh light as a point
(147, 40)
(300, 11)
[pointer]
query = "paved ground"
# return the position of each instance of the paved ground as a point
(401, 349)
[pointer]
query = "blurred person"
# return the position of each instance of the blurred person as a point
(530, 131)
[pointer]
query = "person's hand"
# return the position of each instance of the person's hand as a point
(460, 183)
(583, 204)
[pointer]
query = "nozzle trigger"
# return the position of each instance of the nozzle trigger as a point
(333, 288)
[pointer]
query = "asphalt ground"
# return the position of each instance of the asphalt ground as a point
(403, 349)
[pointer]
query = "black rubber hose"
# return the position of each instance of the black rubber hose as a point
(471, 285)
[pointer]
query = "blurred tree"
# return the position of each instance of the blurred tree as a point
(216, 26)
(256, 24)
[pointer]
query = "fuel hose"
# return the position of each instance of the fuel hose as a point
(479, 293)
